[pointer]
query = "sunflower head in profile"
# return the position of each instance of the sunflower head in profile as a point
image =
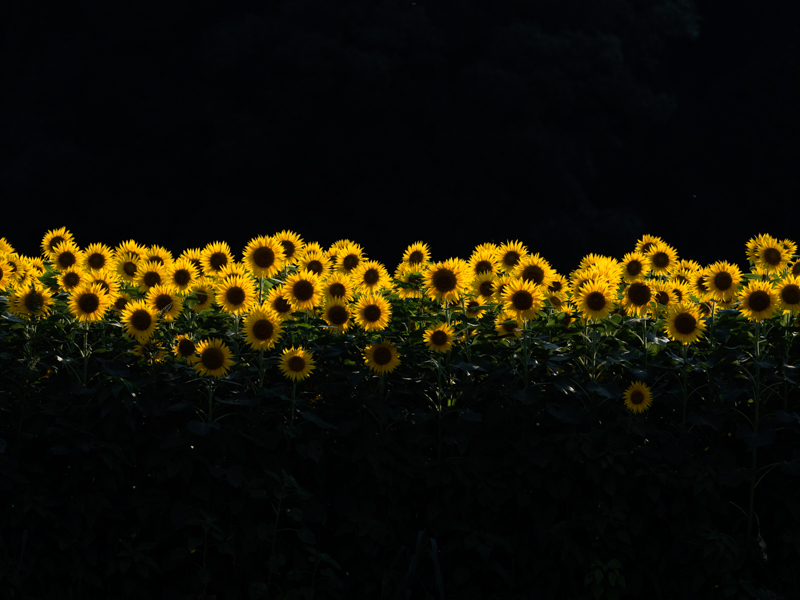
(262, 328)
(264, 256)
(440, 337)
(184, 348)
(89, 303)
(382, 357)
(214, 358)
(722, 279)
(509, 255)
(372, 312)
(236, 294)
(53, 238)
(447, 280)
(336, 313)
(296, 363)
(215, 257)
(417, 255)
(638, 397)
(523, 298)
(684, 323)
(165, 300)
(789, 294)
(758, 300)
(139, 320)
(303, 290)
(595, 301)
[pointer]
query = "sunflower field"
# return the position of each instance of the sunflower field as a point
(302, 422)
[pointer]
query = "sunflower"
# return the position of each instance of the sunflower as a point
(214, 358)
(262, 328)
(349, 257)
(382, 357)
(697, 284)
(506, 324)
(127, 265)
(37, 265)
(185, 348)
(474, 307)
(236, 294)
(215, 257)
(606, 266)
(683, 323)
(6, 275)
(338, 285)
(638, 397)
(535, 269)
(131, 247)
(181, 274)
(484, 259)
(292, 245)
(97, 256)
(770, 254)
(71, 279)
(373, 312)
(789, 294)
(278, 302)
(139, 320)
(296, 363)
(646, 242)
(634, 266)
(523, 298)
(417, 254)
(107, 280)
(194, 256)
(509, 254)
(303, 290)
(447, 280)
(637, 297)
(89, 303)
(315, 260)
(721, 280)
(662, 258)
(66, 256)
(150, 351)
(664, 293)
(483, 285)
(158, 254)
(370, 277)
(204, 291)
(5, 246)
(408, 281)
(120, 301)
(233, 269)
(165, 301)
(149, 274)
(680, 289)
(439, 337)
(336, 313)
(758, 300)
(31, 300)
(53, 238)
(595, 301)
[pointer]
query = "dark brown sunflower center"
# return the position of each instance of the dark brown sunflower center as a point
(509, 326)
(103, 284)
(556, 301)
(533, 273)
(263, 257)
(522, 300)
(151, 278)
(163, 301)
(303, 290)
(71, 279)
(796, 269)
(662, 297)
(337, 290)
(772, 256)
(55, 242)
(415, 279)
(637, 397)
(288, 248)
(444, 280)
(678, 294)
(314, 266)
(486, 288)
(555, 286)
(202, 297)
(120, 303)
(156, 259)
(439, 338)
(483, 266)
(212, 358)
(639, 294)
(646, 246)
(182, 277)
(511, 258)
(596, 301)
(660, 260)
(235, 295)
(263, 329)
(350, 262)
(296, 364)
(758, 301)
(415, 257)
(186, 347)
(372, 313)
(685, 323)
(218, 260)
(790, 294)
(282, 305)
(338, 315)
(382, 355)
(96, 261)
(89, 302)
(634, 268)
(141, 320)
(129, 267)
(66, 259)
(723, 281)
(33, 300)
(371, 276)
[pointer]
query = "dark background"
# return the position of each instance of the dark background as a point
(574, 126)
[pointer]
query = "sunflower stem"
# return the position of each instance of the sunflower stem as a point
(756, 402)
(684, 386)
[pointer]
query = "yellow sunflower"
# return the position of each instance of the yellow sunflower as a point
(185, 348)
(769, 253)
(758, 300)
(447, 280)
(506, 324)
(164, 299)
(680, 289)
(338, 285)
(31, 300)
(595, 301)
(149, 274)
(296, 363)
(474, 307)
(71, 279)
(97, 256)
(638, 397)
(315, 260)
(372, 312)
(535, 269)
(789, 294)
(278, 302)
(523, 298)
(509, 254)
(483, 285)
(348, 257)
(646, 242)
(6, 275)
(262, 328)
(721, 279)
(484, 259)
(181, 274)
(127, 265)
(67, 255)
(336, 313)
(303, 290)
(439, 337)
(683, 323)
(411, 279)
(634, 266)
(236, 294)
(108, 280)
(662, 258)
(382, 357)
(131, 247)
(417, 254)
(139, 320)
(214, 358)
(664, 293)
(194, 256)
(204, 291)
(636, 298)
(215, 257)
(158, 254)
(292, 245)
(370, 277)
(89, 303)
(120, 301)
(264, 256)
(53, 238)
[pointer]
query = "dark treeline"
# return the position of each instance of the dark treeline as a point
(573, 125)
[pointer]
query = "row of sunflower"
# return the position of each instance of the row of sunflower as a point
(281, 278)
